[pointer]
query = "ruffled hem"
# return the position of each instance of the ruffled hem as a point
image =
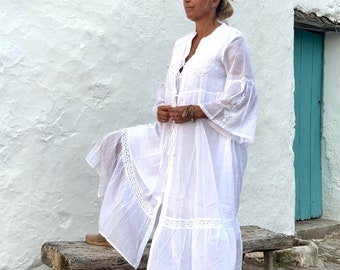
(209, 247)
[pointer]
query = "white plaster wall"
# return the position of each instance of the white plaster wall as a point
(70, 71)
(269, 187)
(331, 127)
(74, 70)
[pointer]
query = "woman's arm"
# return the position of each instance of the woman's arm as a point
(234, 114)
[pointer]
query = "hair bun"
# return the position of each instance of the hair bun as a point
(224, 10)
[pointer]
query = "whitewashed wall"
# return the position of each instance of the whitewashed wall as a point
(269, 187)
(74, 70)
(69, 72)
(331, 128)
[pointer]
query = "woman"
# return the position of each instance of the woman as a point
(182, 176)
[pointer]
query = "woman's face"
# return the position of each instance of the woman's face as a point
(200, 9)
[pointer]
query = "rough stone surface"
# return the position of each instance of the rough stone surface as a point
(316, 228)
(303, 256)
(328, 255)
(329, 248)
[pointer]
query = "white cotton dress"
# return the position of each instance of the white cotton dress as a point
(183, 181)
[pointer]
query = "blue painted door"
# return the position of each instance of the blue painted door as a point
(308, 71)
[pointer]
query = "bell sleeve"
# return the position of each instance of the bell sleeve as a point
(234, 114)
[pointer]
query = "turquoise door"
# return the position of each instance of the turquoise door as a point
(308, 71)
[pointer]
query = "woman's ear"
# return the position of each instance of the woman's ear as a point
(214, 3)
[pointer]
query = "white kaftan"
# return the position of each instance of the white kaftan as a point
(189, 174)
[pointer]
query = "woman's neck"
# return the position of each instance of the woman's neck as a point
(205, 28)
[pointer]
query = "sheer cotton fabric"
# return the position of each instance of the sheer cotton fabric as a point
(189, 174)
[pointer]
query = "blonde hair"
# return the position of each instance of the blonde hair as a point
(224, 10)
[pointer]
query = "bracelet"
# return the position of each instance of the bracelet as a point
(186, 112)
(189, 110)
(192, 113)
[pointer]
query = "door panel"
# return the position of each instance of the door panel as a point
(308, 71)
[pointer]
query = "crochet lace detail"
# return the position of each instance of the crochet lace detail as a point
(131, 174)
(198, 223)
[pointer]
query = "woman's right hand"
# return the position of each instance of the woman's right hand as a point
(163, 115)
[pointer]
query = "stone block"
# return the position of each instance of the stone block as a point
(300, 256)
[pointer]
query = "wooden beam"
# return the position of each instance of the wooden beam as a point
(79, 255)
(313, 22)
(268, 260)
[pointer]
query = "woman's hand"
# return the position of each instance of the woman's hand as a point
(163, 114)
(178, 115)
(183, 114)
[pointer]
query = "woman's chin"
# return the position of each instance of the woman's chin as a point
(190, 17)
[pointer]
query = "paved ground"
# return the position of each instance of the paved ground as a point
(328, 255)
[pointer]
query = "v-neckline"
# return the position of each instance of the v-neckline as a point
(189, 44)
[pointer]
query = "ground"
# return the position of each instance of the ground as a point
(328, 255)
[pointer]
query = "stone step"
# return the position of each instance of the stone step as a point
(316, 228)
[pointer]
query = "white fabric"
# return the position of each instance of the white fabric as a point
(192, 172)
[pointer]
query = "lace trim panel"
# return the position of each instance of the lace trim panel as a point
(176, 223)
(131, 175)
